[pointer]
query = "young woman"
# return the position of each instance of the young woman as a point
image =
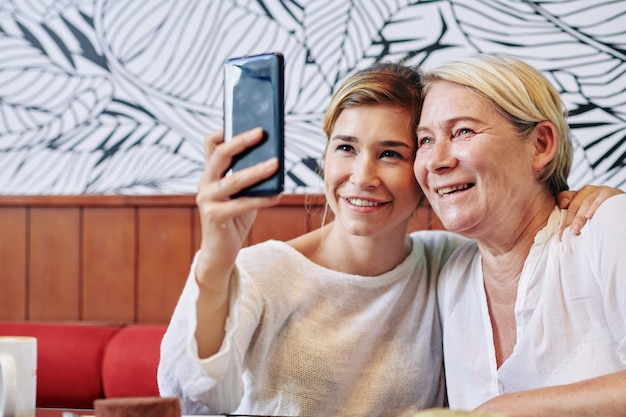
(340, 321)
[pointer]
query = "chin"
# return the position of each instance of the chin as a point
(453, 223)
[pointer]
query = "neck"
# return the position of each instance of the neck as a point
(503, 257)
(505, 251)
(360, 255)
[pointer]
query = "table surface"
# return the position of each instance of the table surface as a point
(58, 412)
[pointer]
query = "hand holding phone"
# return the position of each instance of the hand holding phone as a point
(254, 97)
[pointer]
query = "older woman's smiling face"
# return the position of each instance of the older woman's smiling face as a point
(471, 164)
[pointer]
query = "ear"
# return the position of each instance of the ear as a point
(546, 141)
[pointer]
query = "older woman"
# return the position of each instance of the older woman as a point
(539, 319)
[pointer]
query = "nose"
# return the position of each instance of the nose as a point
(365, 172)
(440, 157)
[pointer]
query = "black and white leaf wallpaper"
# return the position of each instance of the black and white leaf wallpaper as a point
(115, 96)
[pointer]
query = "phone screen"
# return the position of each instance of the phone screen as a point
(253, 97)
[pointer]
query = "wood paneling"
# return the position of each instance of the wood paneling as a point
(165, 244)
(116, 258)
(282, 223)
(54, 263)
(109, 264)
(13, 266)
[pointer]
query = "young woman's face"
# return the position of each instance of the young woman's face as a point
(368, 170)
(473, 167)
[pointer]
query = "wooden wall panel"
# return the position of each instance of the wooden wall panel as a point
(197, 230)
(109, 253)
(280, 223)
(54, 273)
(13, 267)
(117, 258)
(165, 251)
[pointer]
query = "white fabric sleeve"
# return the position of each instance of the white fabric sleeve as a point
(204, 386)
(606, 249)
(217, 365)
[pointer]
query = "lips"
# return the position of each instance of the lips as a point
(453, 188)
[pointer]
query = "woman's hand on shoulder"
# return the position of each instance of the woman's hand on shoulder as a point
(582, 205)
(227, 221)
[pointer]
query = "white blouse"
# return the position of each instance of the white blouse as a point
(570, 312)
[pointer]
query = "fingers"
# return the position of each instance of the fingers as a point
(577, 223)
(215, 189)
(219, 154)
(578, 208)
(564, 198)
(584, 204)
(590, 206)
(246, 177)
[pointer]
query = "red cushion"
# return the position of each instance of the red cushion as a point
(129, 367)
(69, 358)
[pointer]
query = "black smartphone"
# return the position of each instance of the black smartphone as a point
(254, 97)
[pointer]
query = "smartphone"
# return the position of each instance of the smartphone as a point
(254, 97)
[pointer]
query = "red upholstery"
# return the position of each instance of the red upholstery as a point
(78, 363)
(69, 361)
(133, 354)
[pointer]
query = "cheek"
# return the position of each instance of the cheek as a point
(331, 172)
(405, 184)
(334, 176)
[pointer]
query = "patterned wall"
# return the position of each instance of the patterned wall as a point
(114, 96)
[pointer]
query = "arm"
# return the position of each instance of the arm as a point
(197, 363)
(225, 224)
(582, 205)
(603, 396)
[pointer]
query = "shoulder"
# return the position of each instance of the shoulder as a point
(436, 247)
(608, 222)
(270, 271)
(612, 210)
(268, 254)
(603, 239)
(460, 263)
(459, 272)
(438, 243)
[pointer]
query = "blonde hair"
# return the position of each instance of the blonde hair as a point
(383, 83)
(522, 95)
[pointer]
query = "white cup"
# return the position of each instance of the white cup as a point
(18, 376)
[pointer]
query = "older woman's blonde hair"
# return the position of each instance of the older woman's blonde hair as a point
(522, 95)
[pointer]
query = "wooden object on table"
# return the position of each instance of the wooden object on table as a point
(137, 407)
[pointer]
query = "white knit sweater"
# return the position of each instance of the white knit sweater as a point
(308, 341)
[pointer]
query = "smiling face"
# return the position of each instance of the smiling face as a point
(473, 167)
(368, 170)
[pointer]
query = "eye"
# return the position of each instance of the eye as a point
(391, 154)
(344, 147)
(423, 141)
(464, 131)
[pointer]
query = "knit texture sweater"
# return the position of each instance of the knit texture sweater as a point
(303, 340)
